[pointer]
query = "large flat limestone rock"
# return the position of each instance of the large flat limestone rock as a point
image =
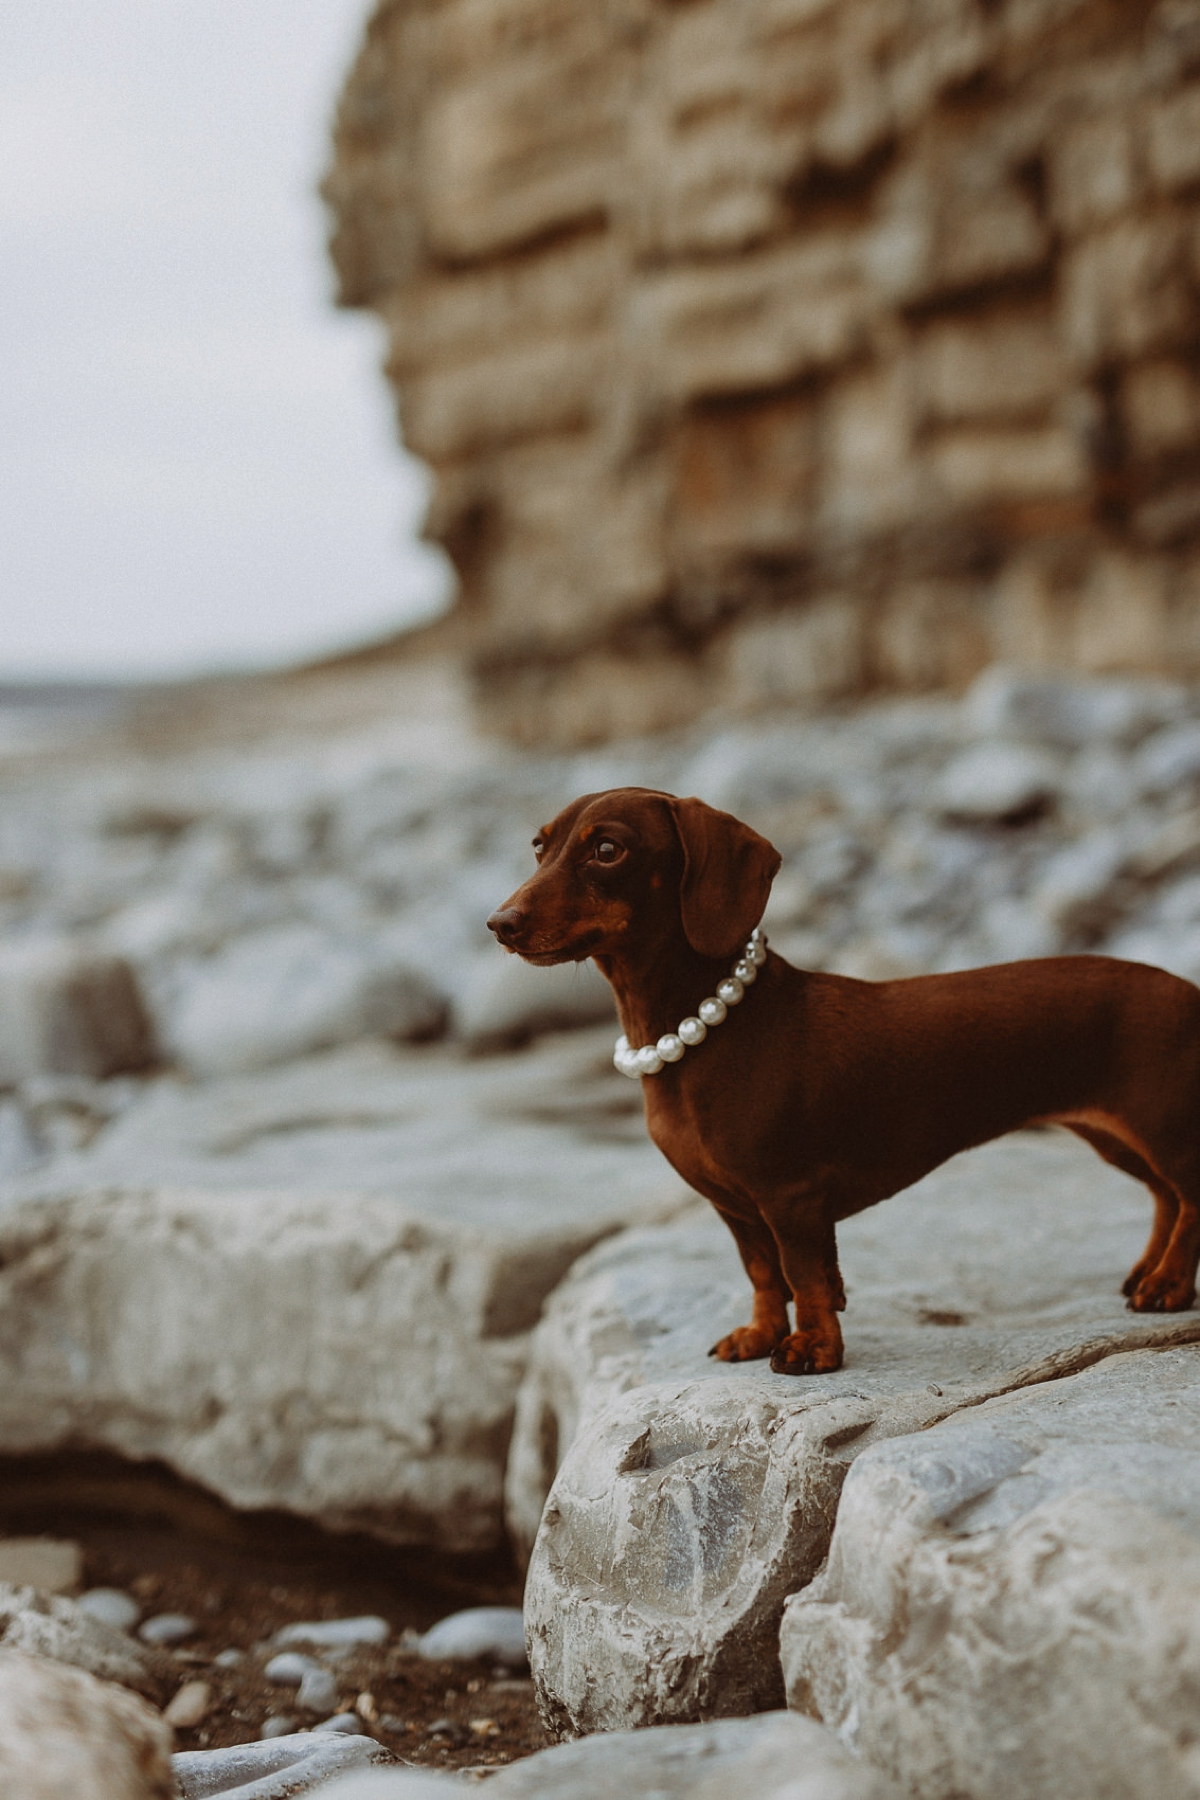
(1012, 1603)
(313, 1288)
(693, 1497)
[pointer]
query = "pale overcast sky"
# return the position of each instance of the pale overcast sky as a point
(198, 463)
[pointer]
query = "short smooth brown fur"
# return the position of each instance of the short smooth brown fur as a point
(820, 1095)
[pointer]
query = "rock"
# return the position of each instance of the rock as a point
(998, 783)
(20, 1147)
(348, 1724)
(1063, 712)
(396, 1784)
(1169, 759)
(64, 1732)
(51, 1626)
(692, 1497)
(189, 1706)
(289, 1668)
(508, 1001)
(336, 1634)
(1012, 1599)
(54, 1565)
(228, 1659)
(279, 1725)
(318, 1691)
(275, 995)
(68, 1010)
(110, 1606)
(375, 1229)
(167, 1628)
(495, 1632)
(275, 1768)
(773, 1757)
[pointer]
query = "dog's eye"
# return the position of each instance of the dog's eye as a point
(539, 848)
(608, 852)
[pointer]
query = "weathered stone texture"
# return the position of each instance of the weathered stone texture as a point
(745, 323)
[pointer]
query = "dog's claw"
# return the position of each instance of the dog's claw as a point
(798, 1356)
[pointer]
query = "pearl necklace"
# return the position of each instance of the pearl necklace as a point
(671, 1046)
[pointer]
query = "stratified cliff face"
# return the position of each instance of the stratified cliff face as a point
(766, 350)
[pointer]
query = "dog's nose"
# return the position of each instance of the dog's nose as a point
(506, 922)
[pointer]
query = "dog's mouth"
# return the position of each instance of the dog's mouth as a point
(575, 950)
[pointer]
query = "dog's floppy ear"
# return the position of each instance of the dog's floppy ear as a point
(727, 874)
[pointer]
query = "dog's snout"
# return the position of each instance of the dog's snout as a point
(506, 923)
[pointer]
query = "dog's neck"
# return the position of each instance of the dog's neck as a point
(658, 986)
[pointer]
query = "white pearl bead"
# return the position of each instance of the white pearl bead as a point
(670, 1046)
(649, 1062)
(693, 1031)
(755, 953)
(712, 1011)
(623, 1046)
(730, 990)
(745, 971)
(626, 1062)
(756, 936)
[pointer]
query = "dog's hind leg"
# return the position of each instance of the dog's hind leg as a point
(769, 1320)
(1166, 1200)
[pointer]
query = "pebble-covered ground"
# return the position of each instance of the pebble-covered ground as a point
(242, 1582)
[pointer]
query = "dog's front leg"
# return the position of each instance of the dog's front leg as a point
(807, 1242)
(769, 1320)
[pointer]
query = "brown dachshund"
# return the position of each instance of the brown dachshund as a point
(816, 1095)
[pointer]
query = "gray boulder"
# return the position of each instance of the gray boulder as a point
(63, 1732)
(506, 1001)
(1012, 1602)
(693, 1497)
(998, 783)
(313, 1288)
(274, 995)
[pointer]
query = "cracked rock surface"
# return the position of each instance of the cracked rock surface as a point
(1012, 1599)
(693, 1497)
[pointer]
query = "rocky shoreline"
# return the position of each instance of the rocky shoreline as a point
(312, 1196)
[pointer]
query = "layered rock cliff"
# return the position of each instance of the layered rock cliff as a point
(768, 350)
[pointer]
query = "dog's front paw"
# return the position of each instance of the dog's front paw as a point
(1162, 1293)
(746, 1344)
(811, 1352)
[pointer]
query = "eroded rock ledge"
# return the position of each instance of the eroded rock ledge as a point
(692, 1499)
(771, 349)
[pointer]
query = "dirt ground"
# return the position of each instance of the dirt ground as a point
(241, 1579)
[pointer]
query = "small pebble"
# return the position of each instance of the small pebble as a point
(317, 1691)
(190, 1705)
(279, 1725)
(497, 1632)
(349, 1723)
(289, 1668)
(166, 1628)
(228, 1659)
(331, 1634)
(484, 1727)
(110, 1606)
(393, 1722)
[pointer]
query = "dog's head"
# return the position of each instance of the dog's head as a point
(631, 867)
